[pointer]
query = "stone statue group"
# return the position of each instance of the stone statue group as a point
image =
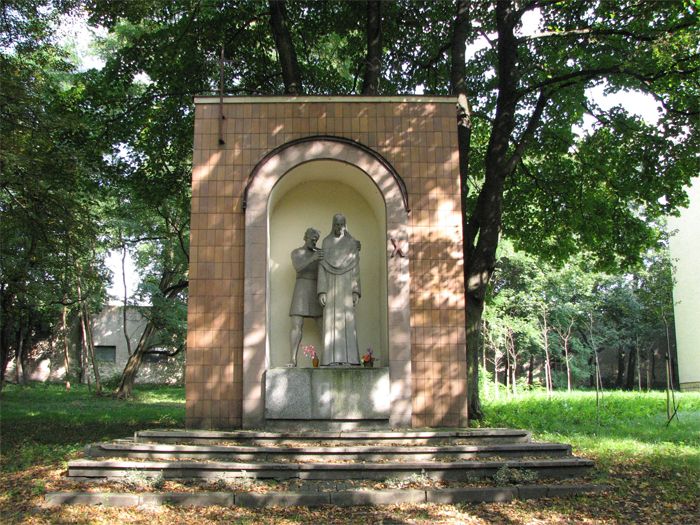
(327, 289)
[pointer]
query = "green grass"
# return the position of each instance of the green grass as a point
(44, 423)
(627, 426)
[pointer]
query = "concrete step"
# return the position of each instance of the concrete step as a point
(312, 453)
(454, 471)
(336, 438)
(315, 499)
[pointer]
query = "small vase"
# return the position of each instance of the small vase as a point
(314, 362)
(368, 364)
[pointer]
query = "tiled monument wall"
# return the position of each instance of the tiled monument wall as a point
(418, 137)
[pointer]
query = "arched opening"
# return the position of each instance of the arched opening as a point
(308, 196)
(301, 185)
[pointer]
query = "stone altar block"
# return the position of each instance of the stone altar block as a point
(327, 393)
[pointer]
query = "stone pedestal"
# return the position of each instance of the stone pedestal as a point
(331, 394)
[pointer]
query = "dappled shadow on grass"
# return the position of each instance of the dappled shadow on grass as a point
(46, 424)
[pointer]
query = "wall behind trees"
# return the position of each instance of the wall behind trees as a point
(45, 361)
(544, 325)
(685, 250)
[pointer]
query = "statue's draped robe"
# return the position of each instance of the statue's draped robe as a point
(339, 278)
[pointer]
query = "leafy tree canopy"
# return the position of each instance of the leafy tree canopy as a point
(526, 169)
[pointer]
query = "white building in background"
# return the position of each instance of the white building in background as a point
(46, 362)
(685, 251)
(111, 351)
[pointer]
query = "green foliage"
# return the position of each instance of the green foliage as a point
(584, 311)
(101, 160)
(601, 189)
(52, 166)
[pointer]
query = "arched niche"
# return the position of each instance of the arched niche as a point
(303, 184)
(308, 196)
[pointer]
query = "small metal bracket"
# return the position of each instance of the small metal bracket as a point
(397, 250)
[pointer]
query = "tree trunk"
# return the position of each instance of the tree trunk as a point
(91, 348)
(496, 359)
(547, 361)
(28, 345)
(5, 324)
(483, 344)
(126, 383)
(64, 341)
(482, 226)
(565, 337)
(87, 353)
(530, 371)
(473, 320)
(631, 367)
(507, 371)
(512, 361)
(285, 48)
(126, 302)
(19, 354)
(547, 368)
(83, 355)
(88, 343)
(619, 383)
(673, 369)
(373, 60)
(474, 305)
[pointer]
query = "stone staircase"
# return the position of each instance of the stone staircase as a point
(455, 458)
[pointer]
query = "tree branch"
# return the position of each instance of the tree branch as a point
(178, 231)
(285, 48)
(536, 4)
(438, 55)
(584, 74)
(527, 135)
(373, 59)
(150, 350)
(592, 31)
(173, 290)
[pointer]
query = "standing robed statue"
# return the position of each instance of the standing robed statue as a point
(339, 293)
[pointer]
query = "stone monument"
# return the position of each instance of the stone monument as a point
(304, 298)
(339, 293)
(264, 170)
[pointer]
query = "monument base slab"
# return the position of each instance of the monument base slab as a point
(331, 394)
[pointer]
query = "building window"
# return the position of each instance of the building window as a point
(106, 354)
(157, 354)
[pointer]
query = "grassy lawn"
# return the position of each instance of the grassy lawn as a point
(654, 470)
(628, 425)
(45, 424)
